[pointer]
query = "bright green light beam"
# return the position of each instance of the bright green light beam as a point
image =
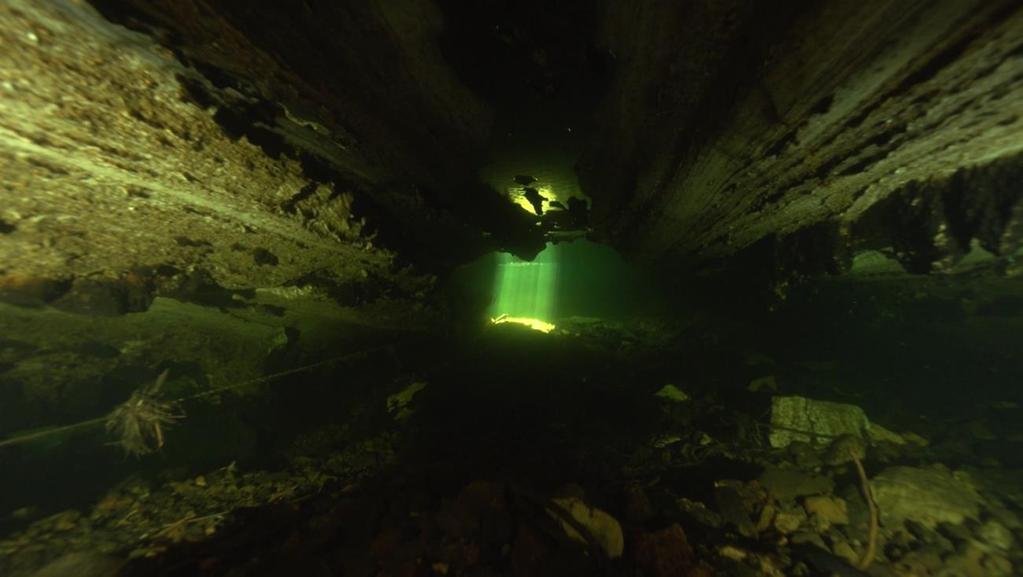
(526, 289)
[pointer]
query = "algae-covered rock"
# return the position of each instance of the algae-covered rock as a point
(604, 528)
(671, 393)
(786, 522)
(927, 496)
(830, 510)
(808, 420)
(768, 383)
(399, 404)
(879, 434)
(784, 484)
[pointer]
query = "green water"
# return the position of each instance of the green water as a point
(579, 278)
(526, 289)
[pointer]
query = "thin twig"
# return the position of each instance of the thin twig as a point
(868, 495)
(275, 376)
(185, 521)
(47, 432)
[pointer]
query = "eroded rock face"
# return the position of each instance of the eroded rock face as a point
(113, 173)
(369, 74)
(733, 122)
(360, 92)
(259, 148)
(138, 230)
(805, 135)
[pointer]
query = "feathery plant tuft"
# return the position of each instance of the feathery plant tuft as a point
(138, 423)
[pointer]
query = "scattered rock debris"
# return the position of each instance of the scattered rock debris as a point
(716, 500)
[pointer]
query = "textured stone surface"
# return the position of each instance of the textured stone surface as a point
(830, 510)
(157, 235)
(602, 527)
(360, 92)
(730, 122)
(927, 496)
(110, 168)
(369, 74)
(879, 434)
(830, 131)
(808, 420)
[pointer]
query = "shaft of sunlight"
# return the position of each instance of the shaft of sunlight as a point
(525, 290)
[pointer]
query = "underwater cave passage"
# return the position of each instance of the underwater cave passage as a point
(511, 288)
(526, 292)
(567, 282)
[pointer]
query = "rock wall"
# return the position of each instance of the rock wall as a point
(139, 232)
(729, 123)
(360, 93)
(113, 174)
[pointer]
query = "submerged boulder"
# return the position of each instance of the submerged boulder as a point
(927, 496)
(807, 420)
(602, 527)
(673, 394)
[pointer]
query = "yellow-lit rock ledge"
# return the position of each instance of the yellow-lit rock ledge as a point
(535, 324)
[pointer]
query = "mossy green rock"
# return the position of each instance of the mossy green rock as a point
(808, 420)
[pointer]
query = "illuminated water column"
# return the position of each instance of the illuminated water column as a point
(525, 290)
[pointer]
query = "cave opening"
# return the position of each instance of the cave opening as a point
(511, 287)
(573, 281)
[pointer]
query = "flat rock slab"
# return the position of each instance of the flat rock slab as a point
(927, 496)
(801, 419)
